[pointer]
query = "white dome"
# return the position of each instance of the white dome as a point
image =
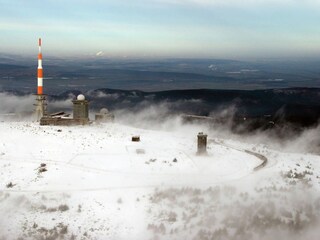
(81, 97)
(104, 111)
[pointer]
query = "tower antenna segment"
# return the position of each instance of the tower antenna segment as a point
(40, 71)
(41, 105)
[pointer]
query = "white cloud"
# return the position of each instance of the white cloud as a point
(16, 104)
(100, 53)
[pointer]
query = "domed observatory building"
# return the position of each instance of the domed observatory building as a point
(104, 116)
(81, 109)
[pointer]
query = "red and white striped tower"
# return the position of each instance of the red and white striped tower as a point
(41, 106)
(40, 71)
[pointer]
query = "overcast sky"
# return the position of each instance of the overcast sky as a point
(162, 28)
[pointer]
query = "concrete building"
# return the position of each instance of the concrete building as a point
(81, 109)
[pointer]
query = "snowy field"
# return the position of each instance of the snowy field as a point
(93, 182)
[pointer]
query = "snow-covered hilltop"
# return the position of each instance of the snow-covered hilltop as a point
(93, 182)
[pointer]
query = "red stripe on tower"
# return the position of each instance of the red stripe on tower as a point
(40, 71)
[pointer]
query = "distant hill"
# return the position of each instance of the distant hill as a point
(157, 74)
(4, 66)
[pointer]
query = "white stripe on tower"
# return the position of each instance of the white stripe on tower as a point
(40, 71)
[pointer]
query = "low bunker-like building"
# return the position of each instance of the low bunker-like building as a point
(80, 114)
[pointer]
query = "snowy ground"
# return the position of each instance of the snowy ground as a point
(95, 183)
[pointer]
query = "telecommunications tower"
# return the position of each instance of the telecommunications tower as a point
(41, 105)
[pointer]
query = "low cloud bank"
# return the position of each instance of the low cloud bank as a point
(15, 107)
(16, 104)
(282, 137)
(167, 116)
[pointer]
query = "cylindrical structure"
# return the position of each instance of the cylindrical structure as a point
(40, 71)
(81, 108)
(202, 143)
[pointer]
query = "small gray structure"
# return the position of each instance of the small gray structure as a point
(202, 144)
(135, 139)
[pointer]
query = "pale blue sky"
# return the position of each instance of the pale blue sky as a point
(162, 28)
